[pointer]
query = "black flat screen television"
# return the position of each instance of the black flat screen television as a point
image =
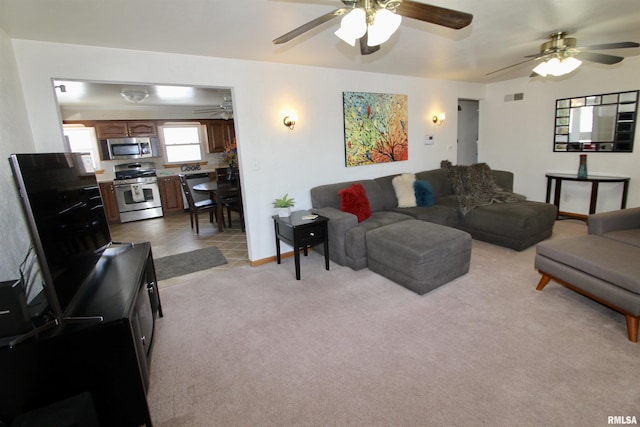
(65, 216)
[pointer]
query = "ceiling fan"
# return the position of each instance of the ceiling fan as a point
(374, 21)
(561, 56)
(225, 110)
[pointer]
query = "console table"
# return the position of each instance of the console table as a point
(301, 233)
(595, 182)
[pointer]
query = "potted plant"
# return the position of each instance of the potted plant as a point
(284, 205)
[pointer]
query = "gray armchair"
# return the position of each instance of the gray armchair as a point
(622, 225)
(602, 265)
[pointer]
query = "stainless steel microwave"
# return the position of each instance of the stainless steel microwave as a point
(130, 148)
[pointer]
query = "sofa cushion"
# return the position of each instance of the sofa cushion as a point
(423, 192)
(606, 259)
(389, 199)
(439, 181)
(403, 187)
(630, 237)
(353, 199)
(355, 239)
(516, 225)
(436, 214)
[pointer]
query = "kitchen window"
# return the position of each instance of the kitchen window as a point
(182, 142)
(82, 139)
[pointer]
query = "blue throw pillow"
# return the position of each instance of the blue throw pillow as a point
(424, 193)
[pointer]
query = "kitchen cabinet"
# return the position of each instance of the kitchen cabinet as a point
(110, 202)
(220, 133)
(171, 195)
(122, 129)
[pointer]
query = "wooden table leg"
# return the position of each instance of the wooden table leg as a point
(556, 195)
(326, 252)
(296, 257)
(594, 197)
(625, 191)
(220, 216)
(548, 198)
(277, 244)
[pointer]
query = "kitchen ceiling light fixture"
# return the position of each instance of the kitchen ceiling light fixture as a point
(134, 96)
(557, 66)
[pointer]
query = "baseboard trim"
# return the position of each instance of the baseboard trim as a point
(267, 260)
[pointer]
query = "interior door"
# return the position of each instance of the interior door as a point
(468, 119)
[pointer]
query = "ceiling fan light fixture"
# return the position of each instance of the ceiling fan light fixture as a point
(134, 96)
(384, 24)
(557, 67)
(353, 26)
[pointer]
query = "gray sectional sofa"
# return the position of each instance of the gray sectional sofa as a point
(515, 225)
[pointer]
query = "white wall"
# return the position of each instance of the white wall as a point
(15, 136)
(518, 135)
(273, 160)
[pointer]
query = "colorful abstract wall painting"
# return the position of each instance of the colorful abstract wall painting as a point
(375, 128)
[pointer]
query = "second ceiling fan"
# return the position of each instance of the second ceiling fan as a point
(374, 21)
(560, 55)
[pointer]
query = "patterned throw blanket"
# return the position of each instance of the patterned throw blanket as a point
(474, 186)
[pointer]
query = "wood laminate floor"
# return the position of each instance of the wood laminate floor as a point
(172, 234)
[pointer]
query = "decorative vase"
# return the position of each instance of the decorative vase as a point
(284, 212)
(582, 169)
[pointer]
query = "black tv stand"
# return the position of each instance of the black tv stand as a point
(52, 324)
(108, 359)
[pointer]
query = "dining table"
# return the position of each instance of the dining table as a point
(218, 193)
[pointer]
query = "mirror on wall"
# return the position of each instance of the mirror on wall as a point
(596, 123)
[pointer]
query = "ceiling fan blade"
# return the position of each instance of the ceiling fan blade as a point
(600, 58)
(365, 49)
(537, 55)
(434, 14)
(310, 25)
(510, 66)
(619, 45)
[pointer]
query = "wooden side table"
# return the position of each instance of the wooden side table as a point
(594, 180)
(300, 234)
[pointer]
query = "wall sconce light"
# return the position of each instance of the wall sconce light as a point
(289, 121)
(62, 88)
(439, 119)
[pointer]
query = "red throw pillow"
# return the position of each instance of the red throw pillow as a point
(354, 200)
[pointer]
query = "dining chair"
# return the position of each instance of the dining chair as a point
(227, 179)
(195, 208)
(222, 174)
(234, 204)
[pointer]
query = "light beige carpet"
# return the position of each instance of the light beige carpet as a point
(252, 346)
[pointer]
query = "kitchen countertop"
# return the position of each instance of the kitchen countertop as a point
(108, 175)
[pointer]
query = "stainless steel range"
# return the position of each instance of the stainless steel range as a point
(137, 191)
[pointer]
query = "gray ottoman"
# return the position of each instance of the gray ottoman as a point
(419, 255)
